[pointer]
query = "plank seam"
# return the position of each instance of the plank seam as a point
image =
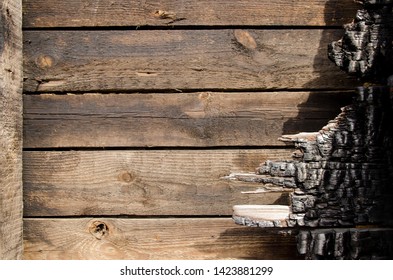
(183, 27)
(185, 148)
(194, 90)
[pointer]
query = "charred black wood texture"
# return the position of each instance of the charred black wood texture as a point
(366, 48)
(346, 244)
(342, 175)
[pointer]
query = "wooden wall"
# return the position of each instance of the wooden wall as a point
(135, 110)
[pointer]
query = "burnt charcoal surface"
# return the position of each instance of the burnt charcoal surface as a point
(346, 244)
(366, 48)
(344, 176)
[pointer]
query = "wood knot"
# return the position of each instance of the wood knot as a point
(45, 61)
(99, 229)
(204, 96)
(126, 177)
(168, 15)
(245, 39)
(164, 14)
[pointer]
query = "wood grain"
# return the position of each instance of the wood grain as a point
(74, 13)
(153, 239)
(11, 129)
(167, 182)
(203, 119)
(175, 60)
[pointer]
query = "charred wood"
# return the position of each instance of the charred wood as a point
(344, 175)
(341, 176)
(346, 244)
(366, 49)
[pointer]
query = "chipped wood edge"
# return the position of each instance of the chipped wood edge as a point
(262, 215)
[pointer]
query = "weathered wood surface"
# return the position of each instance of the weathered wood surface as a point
(193, 119)
(75, 13)
(145, 182)
(152, 239)
(135, 60)
(10, 129)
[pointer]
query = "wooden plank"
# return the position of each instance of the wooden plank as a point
(153, 239)
(264, 215)
(194, 119)
(143, 60)
(75, 13)
(10, 129)
(142, 182)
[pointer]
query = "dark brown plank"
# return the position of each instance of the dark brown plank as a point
(172, 120)
(145, 60)
(153, 239)
(75, 13)
(168, 182)
(11, 129)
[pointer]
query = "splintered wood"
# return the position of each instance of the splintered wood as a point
(342, 175)
(262, 215)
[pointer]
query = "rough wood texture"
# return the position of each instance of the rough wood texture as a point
(171, 182)
(262, 215)
(75, 13)
(10, 129)
(153, 239)
(142, 60)
(346, 244)
(366, 48)
(193, 119)
(343, 173)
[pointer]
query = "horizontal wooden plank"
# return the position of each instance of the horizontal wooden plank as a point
(145, 60)
(193, 119)
(163, 182)
(152, 239)
(75, 13)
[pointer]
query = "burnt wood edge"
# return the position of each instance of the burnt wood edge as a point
(341, 176)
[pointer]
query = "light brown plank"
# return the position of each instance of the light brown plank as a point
(180, 60)
(168, 182)
(11, 129)
(193, 119)
(75, 13)
(153, 239)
